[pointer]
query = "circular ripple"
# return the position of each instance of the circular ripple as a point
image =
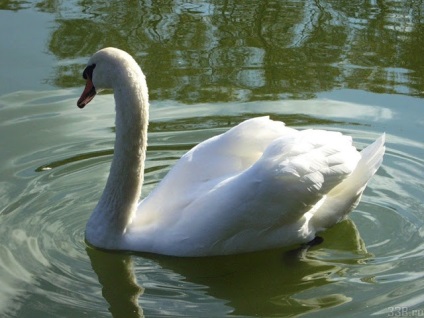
(47, 261)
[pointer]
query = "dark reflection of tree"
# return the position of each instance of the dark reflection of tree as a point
(247, 50)
(412, 51)
(13, 5)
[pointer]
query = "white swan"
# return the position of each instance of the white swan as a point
(260, 185)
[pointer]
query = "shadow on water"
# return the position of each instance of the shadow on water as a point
(263, 283)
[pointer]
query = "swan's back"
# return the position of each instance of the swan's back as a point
(260, 185)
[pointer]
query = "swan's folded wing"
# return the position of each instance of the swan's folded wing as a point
(262, 206)
(296, 171)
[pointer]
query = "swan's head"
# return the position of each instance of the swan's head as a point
(104, 70)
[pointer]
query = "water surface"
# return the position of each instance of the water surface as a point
(338, 65)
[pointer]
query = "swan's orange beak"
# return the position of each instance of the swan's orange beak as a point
(88, 94)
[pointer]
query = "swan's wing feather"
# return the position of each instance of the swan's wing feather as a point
(346, 195)
(209, 162)
(299, 169)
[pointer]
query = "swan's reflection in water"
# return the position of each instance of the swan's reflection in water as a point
(119, 285)
(265, 283)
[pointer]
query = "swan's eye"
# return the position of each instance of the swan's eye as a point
(88, 72)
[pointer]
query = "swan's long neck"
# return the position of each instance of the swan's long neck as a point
(120, 197)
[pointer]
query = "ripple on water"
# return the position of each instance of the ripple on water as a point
(48, 240)
(52, 185)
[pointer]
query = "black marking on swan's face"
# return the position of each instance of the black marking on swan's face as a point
(88, 72)
(89, 90)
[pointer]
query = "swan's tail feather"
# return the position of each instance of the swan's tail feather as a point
(371, 159)
(372, 156)
(346, 196)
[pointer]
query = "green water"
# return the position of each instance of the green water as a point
(352, 66)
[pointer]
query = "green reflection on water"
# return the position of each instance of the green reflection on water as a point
(242, 50)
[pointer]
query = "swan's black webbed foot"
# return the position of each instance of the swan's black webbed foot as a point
(299, 252)
(316, 241)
